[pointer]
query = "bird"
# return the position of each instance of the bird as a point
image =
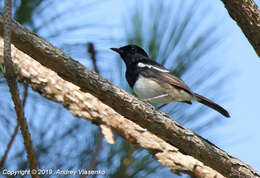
(152, 82)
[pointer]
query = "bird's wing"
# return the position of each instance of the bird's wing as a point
(161, 75)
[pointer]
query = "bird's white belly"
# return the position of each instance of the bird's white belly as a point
(145, 89)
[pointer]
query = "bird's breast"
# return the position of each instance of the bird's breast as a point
(146, 88)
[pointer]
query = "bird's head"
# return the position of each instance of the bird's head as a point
(129, 53)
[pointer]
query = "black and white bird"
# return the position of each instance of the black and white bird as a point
(154, 83)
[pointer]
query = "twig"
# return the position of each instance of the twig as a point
(25, 93)
(97, 150)
(11, 80)
(2, 162)
(93, 160)
(9, 146)
(127, 105)
(93, 53)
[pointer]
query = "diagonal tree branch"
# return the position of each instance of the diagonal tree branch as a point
(84, 105)
(10, 76)
(9, 145)
(127, 105)
(247, 16)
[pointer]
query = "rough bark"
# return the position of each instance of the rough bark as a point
(85, 105)
(247, 16)
(127, 105)
(10, 76)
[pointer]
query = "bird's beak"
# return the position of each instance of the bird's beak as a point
(116, 50)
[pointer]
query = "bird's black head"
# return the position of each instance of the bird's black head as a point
(130, 52)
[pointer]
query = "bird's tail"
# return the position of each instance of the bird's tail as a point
(211, 104)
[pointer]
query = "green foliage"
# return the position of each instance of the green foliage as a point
(25, 11)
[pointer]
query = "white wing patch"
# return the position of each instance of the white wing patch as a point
(140, 64)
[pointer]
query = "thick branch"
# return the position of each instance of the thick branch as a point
(247, 16)
(127, 105)
(84, 105)
(11, 80)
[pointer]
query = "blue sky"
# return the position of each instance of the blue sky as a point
(241, 131)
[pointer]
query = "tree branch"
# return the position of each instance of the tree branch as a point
(98, 147)
(9, 145)
(127, 105)
(84, 105)
(247, 16)
(10, 76)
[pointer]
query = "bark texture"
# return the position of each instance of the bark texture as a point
(247, 16)
(85, 105)
(127, 105)
(10, 76)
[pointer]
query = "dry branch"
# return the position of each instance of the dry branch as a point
(86, 106)
(247, 16)
(127, 105)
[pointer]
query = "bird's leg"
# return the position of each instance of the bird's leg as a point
(162, 106)
(154, 98)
